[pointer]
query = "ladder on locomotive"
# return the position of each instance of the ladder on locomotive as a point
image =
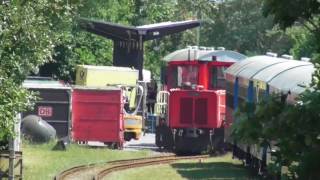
(162, 104)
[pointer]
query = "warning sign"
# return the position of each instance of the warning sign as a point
(44, 111)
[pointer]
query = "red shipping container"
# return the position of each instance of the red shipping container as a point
(97, 115)
(195, 109)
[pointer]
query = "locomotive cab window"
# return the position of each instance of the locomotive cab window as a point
(182, 74)
(218, 78)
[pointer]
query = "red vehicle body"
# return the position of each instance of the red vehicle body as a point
(97, 115)
(190, 108)
(196, 108)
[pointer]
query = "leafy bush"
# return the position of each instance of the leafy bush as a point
(293, 128)
(28, 33)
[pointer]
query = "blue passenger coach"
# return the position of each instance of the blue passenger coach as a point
(252, 79)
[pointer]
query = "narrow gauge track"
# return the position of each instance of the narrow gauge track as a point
(76, 169)
(145, 162)
(118, 165)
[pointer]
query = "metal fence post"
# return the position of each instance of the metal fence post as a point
(11, 159)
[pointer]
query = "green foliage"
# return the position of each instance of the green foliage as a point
(240, 26)
(236, 25)
(154, 12)
(28, 33)
(247, 129)
(293, 129)
(244, 30)
(86, 48)
(13, 100)
(304, 42)
(287, 12)
(304, 16)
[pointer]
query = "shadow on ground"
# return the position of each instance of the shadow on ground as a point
(212, 170)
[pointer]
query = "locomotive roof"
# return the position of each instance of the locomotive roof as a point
(194, 53)
(279, 73)
(187, 54)
(203, 54)
(223, 56)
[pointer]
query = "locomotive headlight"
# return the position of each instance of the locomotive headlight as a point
(200, 131)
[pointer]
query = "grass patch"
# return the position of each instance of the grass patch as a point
(41, 163)
(223, 167)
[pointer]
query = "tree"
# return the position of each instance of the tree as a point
(155, 50)
(244, 30)
(28, 33)
(172, 10)
(80, 47)
(292, 128)
(86, 48)
(304, 13)
(240, 26)
(287, 12)
(304, 42)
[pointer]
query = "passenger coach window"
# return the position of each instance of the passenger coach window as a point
(218, 79)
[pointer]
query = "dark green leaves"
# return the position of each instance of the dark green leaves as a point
(293, 129)
(29, 32)
(287, 12)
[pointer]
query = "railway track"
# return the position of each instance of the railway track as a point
(119, 165)
(74, 170)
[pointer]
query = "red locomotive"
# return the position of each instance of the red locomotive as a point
(191, 108)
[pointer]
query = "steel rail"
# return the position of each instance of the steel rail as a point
(144, 162)
(65, 173)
